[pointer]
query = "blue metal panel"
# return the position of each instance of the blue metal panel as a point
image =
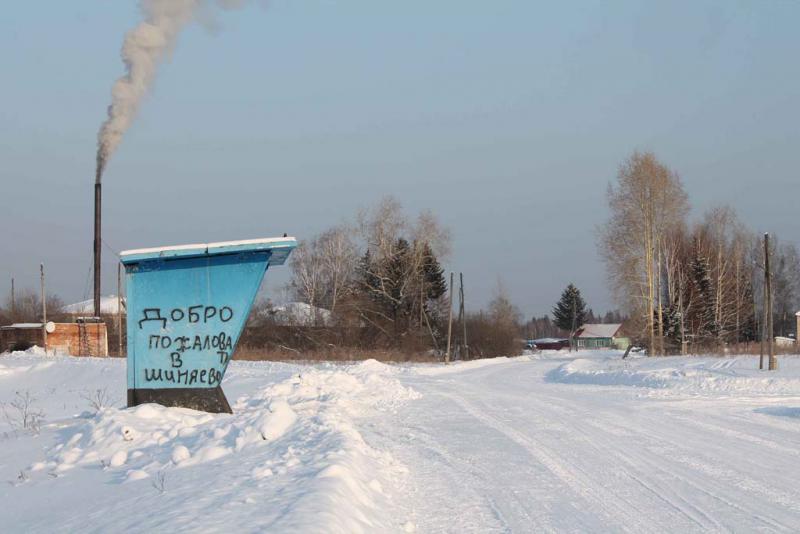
(187, 308)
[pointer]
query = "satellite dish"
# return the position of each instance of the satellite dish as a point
(50, 327)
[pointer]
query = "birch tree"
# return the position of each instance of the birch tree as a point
(323, 269)
(646, 203)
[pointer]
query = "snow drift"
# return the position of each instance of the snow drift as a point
(290, 459)
(700, 375)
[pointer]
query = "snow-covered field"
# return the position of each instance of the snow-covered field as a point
(549, 442)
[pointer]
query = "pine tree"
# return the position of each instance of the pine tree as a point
(570, 312)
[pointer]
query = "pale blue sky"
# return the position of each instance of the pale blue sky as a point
(506, 118)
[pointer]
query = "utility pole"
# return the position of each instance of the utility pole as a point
(450, 320)
(44, 308)
(463, 316)
(773, 362)
(13, 302)
(764, 313)
(797, 330)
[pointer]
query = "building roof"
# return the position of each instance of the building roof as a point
(108, 306)
(598, 330)
(299, 314)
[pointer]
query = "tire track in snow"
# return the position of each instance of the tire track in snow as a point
(632, 462)
(681, 456)
(554, 400)
(439, 483)
(742, 436)
(699, 459)
(580, 484)
(637, 473)
(681, 506)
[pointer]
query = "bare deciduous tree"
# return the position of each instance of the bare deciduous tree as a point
(27, 307)
(323, 269)
(647, 203)
(339, 261)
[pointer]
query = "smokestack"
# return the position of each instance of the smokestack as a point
(97, 245)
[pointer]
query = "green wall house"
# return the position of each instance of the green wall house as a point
(601, 336)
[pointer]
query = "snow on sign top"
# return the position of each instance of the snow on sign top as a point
(280, 247)
(599, 330)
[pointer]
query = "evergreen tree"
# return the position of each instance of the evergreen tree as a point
(701, 277)
(570, 312)
(747, 326)
(368, 281)
(433, 274)
(400, 289)
(672, 324)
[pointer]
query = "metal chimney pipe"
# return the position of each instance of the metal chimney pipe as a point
(97, 246)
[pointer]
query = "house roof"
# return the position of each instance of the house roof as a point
(108, 306)
(598, 330)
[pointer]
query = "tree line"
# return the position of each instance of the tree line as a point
(25, 306)
(689, 285)
(378, 283)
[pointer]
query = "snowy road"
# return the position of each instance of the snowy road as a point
(559, 444)
(500, 448)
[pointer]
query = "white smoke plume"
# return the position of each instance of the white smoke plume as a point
(144, 48)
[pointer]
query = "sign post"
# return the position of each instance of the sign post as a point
(187, 306)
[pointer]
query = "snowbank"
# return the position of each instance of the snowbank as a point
(460, 366)
(683, 373)
(290, 459)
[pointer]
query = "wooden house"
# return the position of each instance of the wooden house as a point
(601, 336)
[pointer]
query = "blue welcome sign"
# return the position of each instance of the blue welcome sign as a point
(187, 306)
